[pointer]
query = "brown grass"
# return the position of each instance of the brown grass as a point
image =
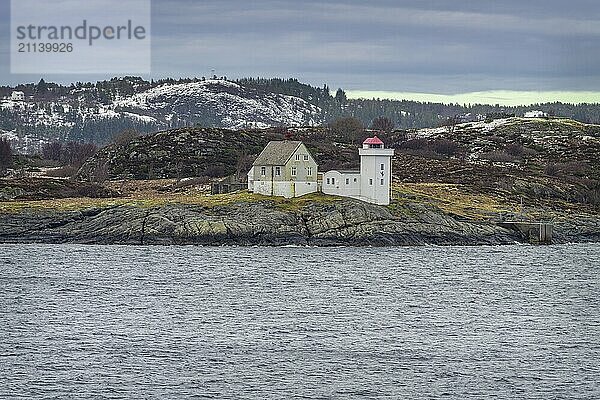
(455, 199)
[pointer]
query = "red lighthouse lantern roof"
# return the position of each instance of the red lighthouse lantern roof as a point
(373, 140)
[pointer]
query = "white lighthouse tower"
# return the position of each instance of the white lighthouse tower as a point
(375, 171)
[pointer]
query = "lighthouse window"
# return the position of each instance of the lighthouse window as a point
(370, 181)
(354, 179)
(382, 167)
(382, 182)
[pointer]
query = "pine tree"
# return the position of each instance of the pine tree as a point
(42, 87)
(340, 96)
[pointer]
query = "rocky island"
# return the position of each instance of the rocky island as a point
(452, 186)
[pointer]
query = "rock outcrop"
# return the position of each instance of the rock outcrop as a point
(346, 222)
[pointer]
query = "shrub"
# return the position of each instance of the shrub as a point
(214, 171)
(551, 169)
(593, 196)
(414, 144)
(498, 156)
(444, 146)
(514, 149)
(5, 154)
(426, 153)
(571, 168)
(52, 151)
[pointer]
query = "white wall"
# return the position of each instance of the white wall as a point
(287, 189)
(372, 189)
(285, 184)
(337, 185)
(303, 188)
(251, 180)
(273, 188)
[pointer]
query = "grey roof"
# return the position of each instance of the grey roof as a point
(277, 152)
(345, 171)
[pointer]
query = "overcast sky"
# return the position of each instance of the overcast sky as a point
(439, 46)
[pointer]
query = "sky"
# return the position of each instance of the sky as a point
(493, 51)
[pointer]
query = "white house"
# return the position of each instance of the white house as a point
(374, 180)
(286, 168)
(17, 96)
(535, 114)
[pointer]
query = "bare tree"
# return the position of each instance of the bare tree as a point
(450, 124)
(76, 153)
(244, 163)
(71, 153)
(347, 128)
(383, 124)
(52, 151)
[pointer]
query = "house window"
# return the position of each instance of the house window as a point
(297, 157)
(333, 181)
(328, 181)
(382, 167)
(382, 182)
(277, 171)
(306, 157)
(293, 171)
(354, 179)
(263, 171)
(370, 181)
(309, 171)
(347, 181)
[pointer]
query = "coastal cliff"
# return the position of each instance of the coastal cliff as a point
(319, 222)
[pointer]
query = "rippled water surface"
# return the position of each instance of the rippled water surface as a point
(515, 322)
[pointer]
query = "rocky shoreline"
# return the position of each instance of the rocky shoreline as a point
(345, 222)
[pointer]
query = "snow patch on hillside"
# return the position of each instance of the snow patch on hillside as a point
(231, 105)
(481, 126)
(217, 103)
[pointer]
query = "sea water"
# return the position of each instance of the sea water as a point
(118, 322)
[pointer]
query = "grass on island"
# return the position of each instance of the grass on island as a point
(147, 200)
(452, 199)
(449, 198)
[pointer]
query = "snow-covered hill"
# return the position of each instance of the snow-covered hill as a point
(218, 103)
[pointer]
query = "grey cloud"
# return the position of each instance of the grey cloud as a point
(410, 45)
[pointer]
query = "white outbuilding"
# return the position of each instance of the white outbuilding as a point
(535, 114)
(17, 96)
